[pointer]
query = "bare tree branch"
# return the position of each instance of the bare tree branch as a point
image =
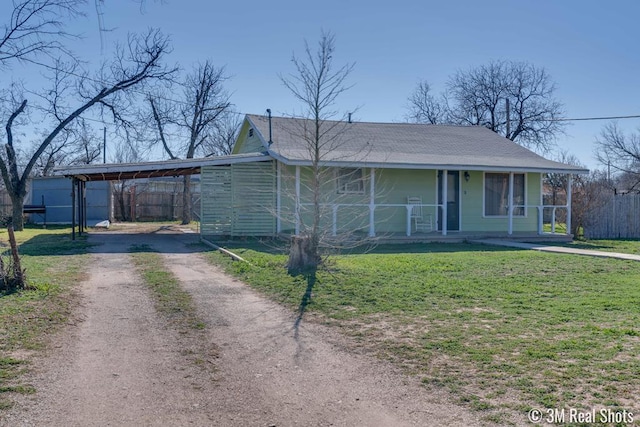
(185, 126)
(479, 96)
(35, 29)
(620, 151)
(316, 84)
(141, 64)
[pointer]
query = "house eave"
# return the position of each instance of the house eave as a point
(429, 166)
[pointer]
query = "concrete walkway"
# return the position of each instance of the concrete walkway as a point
(557, 249)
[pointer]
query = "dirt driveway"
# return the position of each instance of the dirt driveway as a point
(124, 365)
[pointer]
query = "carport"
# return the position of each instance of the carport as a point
(81, 174)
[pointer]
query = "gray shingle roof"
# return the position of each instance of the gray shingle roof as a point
(403, 145)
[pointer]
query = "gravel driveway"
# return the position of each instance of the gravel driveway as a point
(123, 365)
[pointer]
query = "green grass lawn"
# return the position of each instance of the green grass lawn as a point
(504, 330)
(625, 246)
(54, 264)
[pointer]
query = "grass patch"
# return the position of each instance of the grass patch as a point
(503, 329)
(177, 306)
(29, 318)
(169, 297)
(625, 246)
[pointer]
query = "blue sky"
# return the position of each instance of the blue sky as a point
(588, 47)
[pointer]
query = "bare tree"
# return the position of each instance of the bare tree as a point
(76, 145)
(317, 85)
(220, 143)
(36, 28)
(479, 96)
(193, 120)
(620, 151)
(135, 64)
(589, 194)
(559, 182)
(424, 107)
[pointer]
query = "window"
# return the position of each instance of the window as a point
(496, 194)
(350, 181)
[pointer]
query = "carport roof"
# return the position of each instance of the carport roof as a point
(118, 171)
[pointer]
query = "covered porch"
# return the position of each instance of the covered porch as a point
(446, 214)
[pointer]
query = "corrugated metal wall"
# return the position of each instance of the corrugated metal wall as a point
(56, 192)
(239, 200)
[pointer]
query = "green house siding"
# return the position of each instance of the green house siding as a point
(394, 187)
(349, 218)
(242, 200)
(247, 141)
(239, 199)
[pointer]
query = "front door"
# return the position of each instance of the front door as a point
(453, 200)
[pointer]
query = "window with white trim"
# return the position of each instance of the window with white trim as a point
(350, 181)
(496, 194)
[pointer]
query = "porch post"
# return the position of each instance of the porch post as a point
(297, 200)
(278, 197)
(540, 219)
(372, 202)
(84, 205)
(510, 202)
(79, 196)
(569, 185)
(445, 198)
(541, 206)
(73, 209)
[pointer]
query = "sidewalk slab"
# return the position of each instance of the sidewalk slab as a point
(557, 249)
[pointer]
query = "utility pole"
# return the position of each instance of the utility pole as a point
(104, 145)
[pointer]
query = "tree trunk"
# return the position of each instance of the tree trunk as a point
(18, 274)
(123, 210)
(186, 200)
(302, 255)
(17, 207)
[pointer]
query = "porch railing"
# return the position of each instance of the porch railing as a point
(437, 208)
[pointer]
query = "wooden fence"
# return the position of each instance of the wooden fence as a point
(152, 206)
(618, 218)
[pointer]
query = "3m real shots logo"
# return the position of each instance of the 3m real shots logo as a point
(572, 415)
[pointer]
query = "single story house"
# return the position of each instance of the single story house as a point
(376, 179)
(383, 180)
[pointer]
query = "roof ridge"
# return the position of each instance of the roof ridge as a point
(263, 116)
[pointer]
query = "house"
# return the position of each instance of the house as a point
(395, 180)
(377, 179)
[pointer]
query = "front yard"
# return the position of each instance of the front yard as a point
(504, 330)
(54, 264)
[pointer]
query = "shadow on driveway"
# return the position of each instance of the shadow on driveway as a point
(163, 241)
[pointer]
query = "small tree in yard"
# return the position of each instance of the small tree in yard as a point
(316, 84)
(12, 276)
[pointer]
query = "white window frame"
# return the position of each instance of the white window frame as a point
(515, 212)
(346, 179)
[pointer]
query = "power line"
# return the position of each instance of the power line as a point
(596, 118)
